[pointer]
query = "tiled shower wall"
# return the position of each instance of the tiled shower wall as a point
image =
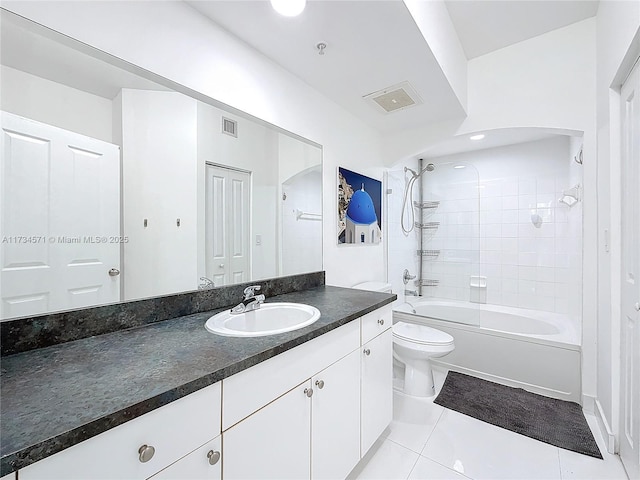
(401, 249)
(486, 226)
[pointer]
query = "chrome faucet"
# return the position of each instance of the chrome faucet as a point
(251, 301)
(205, 283)
(411, 292)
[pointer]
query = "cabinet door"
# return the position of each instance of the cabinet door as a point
(202, 464)
(377, 388)
(335, 413)
(274, 442)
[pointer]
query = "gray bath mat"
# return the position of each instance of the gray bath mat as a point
(549, 420)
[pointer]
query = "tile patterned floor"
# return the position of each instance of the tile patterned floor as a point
(427, 441)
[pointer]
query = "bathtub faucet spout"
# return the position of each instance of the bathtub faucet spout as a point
(410, 292)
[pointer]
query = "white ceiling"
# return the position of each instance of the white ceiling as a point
(488, 25)
(374, 44)
(371, 45)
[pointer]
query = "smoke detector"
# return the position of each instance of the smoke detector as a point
(396, 97)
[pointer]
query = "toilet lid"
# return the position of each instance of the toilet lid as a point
(421, 334)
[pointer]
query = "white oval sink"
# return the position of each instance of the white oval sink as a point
(269, 319)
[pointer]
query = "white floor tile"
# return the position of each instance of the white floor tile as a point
(389, 461)
(413, 421)
(483, 451)
(426, 469)
(577, 466)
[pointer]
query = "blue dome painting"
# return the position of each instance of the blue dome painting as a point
(361, 210)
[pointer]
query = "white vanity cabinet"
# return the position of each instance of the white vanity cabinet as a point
(141, 447)
(335, 419)
(377, 388)
(205, 463)
(310, 412)
(273, 443)
(320, 424)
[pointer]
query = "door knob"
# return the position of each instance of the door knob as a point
(146, 453)
(213, 457)
(114, 272)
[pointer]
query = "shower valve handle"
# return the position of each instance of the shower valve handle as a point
(406, 276)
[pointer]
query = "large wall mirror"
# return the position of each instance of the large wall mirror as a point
(116, 187)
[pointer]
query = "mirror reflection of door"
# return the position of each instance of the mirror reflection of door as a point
(227, 233)
(60, 221)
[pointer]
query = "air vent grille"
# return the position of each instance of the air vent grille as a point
(230, 127)
(396, 97)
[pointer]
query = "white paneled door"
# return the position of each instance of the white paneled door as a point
(630, 328)
(60, 219)
(227, 225)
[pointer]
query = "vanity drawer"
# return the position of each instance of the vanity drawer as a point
(376, 322)
(172, 431)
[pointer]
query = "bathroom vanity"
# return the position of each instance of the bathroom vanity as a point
(304, 404)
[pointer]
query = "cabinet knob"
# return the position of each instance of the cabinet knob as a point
(146, 453)
(381, 321)
(308, 392)
(213, 457)
(320, 384)
(637, 306)
(367, 351)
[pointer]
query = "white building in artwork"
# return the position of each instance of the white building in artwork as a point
(361, 220)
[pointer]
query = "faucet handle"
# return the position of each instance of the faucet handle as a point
(251, 291)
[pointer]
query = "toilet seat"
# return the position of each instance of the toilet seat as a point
(421, 335)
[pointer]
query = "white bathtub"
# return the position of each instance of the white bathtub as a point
(534, 350)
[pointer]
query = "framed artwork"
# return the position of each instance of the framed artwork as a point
(359, 208)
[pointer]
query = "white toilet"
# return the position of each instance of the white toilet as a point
(414, 346)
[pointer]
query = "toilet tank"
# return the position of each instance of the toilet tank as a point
(374, 287)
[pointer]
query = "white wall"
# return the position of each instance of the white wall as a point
(55, 104)
(172, 40)
(159, 181)
(434, 22)
(617, 24)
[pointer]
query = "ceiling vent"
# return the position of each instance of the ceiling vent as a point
(230, 127)
(396, 97)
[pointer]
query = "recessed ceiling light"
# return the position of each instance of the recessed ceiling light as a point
(477, 137)
(460, 166)
(289, 8)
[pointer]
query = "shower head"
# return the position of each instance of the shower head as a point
(430, 167)
(413, 172)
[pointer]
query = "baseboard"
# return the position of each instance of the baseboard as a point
(589, 404)
(605, 429)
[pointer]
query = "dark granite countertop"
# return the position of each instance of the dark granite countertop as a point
(55, 397)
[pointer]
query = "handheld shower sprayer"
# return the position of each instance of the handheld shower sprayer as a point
(408, 196)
